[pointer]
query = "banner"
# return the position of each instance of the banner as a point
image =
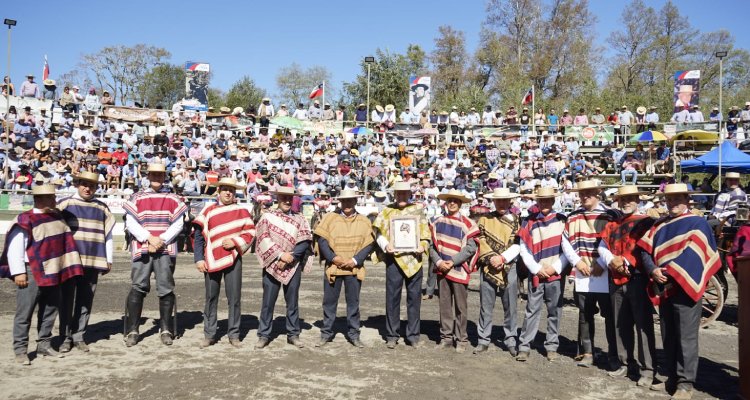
(196, 86)
(419, 94)
(686, 89)
(595, 133)
(131, 114)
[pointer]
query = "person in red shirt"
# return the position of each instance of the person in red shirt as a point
(120, 157)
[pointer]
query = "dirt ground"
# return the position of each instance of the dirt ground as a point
(153, 371)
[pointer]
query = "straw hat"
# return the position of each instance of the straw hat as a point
(238, 111)
(546, 193)
(586, 185)
(225, 110)
(348, 194)
(628, 190)
(49, 82)
(493, 175)
(641, 110)
(401, 186)
(43, 190)
(454, 194)
(22, 179)
(355, 152)
(730, 175)
(260, 182)
(675, 188)
(285, 190)
(379, 108)
(87, 176)
(389, 108)
(156, 167)
(227, 181)
(501, 193)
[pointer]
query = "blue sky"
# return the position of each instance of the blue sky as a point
(257, 38)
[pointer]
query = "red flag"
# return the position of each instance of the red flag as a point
(317, 92)
(45, 71)
(528, 97)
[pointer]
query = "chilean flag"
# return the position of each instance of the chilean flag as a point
(317, 92)
(528, 97)
(45, 70)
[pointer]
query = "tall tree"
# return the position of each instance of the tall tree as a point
(121, 69)
(295, 83)
(449, 65)
(162, 85)
(244, 93)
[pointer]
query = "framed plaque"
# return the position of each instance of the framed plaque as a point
(404, 233)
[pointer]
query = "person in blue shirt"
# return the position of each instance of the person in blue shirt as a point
(553, 120)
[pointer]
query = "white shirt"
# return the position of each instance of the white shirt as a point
(300, 114)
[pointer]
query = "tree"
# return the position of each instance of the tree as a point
(295, 83)
(449, 66)
(121, 69)
(244, 93)
(216, 98)
(163, 85)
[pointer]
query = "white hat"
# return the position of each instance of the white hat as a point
(401, 186)
(454, 194)
(501, 193)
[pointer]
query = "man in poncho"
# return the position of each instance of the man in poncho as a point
(402, 268)
(91, 223)
(454, 255)
(283, 247)
(498, 250)
(345, 240)
(680, 255)
(223, 233)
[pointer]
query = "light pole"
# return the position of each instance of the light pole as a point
(721, 55)
(10, 23)
(368, 60)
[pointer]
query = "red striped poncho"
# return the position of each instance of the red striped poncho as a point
(219, 222)
(51, 250)
(155, 212)
(621, 238)
(542, 235)
(450, 234)
(584, 230)
(686, 248)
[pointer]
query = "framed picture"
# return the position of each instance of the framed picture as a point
(404, 233)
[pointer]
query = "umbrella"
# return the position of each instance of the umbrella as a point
(361, 130)
(697, 136)
(288, 122)
(648, 136)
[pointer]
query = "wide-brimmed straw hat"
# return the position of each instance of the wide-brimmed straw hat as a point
(156, 167)
(43, 190)
(675, 188)
(348, 194)
(285, 190)
(586, 185)
(546, 193)
(401, 186)
(730, 175)
(87, 176)
(501, 193)
(454, 194)
(227, 181)
(379, 108)
(628, 190)
(389, 107)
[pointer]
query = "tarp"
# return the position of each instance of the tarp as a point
(732, 159)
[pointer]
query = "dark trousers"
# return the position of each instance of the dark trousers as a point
(632, 310)
(431, 282)
(161, 265)
(587, 308)
(680, 321)
(75, 305)
(331, 293)
(233, 290)
(395, 280)
(453, 311)
(271, 288)
(27, 299)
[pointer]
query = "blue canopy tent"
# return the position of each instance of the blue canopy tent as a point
(727, 157)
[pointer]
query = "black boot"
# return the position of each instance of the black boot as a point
(166, 318)
(133, 320)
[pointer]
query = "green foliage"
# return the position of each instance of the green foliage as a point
(163, 85)
(243, 93)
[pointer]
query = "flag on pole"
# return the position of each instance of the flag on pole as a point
(45, 71)
(317, 92)
(528, 97)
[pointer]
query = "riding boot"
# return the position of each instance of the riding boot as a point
(135, 307)
(166, 318)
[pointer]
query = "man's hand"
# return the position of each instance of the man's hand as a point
(658, 275)
(338, 261)
(21, 281)
(348, 265)
(227, 244)
(155, 243)
(496, 261)
(548, 270)
(201, 266)
(420, 249)
(287, 258)
(584, 269)
(389, 249)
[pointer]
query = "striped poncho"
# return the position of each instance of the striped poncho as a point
(686, 248)
(51, 250)
(410, 263)
(155, 212)
(497, 233)
(91, 223)
(279, 232)
(621, 237)
(219, 222)
(584, 231)
(450, 234)
(542, 235)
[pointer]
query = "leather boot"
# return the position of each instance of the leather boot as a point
(166, 318)
(134, 307)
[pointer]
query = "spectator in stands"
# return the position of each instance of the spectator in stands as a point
(715, 115)
(696, 116)
(7, 87)
(652, 118)
(581, 118)
(107, 100)
(565, 120)
(597, 118)
(733, 119)
(552, 120)
(664, 162)
(630, 167)
(488, 116)
(626, 119)
(29, 88)
(640, 119)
